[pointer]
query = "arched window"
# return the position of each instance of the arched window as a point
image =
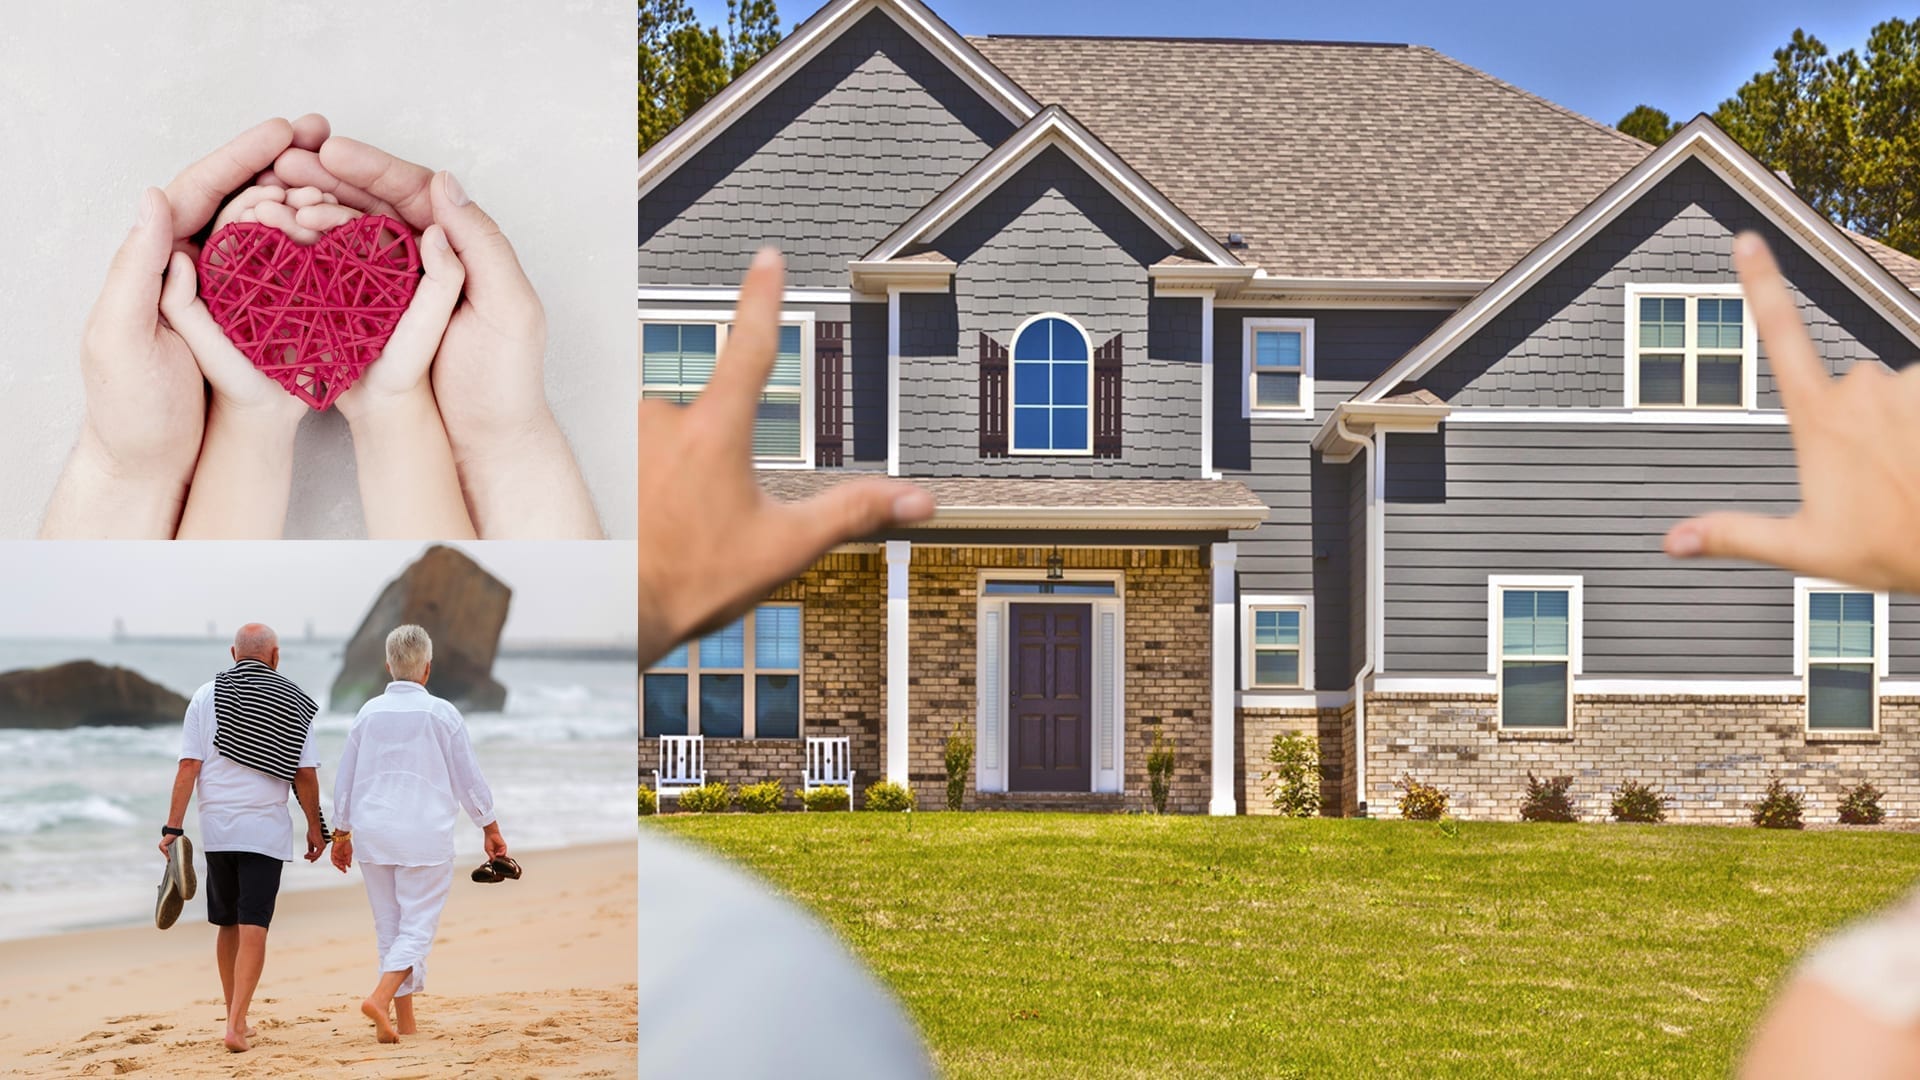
(1052, 387)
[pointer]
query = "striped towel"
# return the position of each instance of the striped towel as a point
(261, 718)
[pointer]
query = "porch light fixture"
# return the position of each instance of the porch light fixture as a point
(1055, 565)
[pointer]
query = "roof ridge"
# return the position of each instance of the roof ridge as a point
(1531, 96)
(1178, 39)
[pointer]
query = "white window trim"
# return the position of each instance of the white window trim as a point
(1692, 294)
(1575, 587)
(1013, 448)
(1248, 328)
(1805, 587)
(1252, 603)
(747, 671)
(721, 320)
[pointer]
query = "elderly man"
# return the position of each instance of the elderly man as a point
(247, 743)
(408, 765)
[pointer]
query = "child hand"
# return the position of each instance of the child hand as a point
(399, 376)
(303, 213)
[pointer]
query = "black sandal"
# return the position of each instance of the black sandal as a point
(496, 870)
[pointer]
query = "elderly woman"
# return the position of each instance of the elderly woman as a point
(407, 766)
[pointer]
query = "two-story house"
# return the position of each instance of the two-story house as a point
(1263, 386)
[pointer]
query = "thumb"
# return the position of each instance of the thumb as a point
(493, 270)
(1731, 535)
(848, 512)
(132, 292)
(418, 332)
(188, 315)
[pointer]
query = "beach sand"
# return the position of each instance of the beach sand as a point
(528, 978)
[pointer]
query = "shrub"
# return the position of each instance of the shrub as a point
(1294, 781)
(959, 767)
(1861, 805)
(888, 796)
(709, 799)
(1160, 762)
(831, 797)
(1635, 801)
(649, 802)
(1421, 802)
(1547, 800)
(1779, 808)
(762, 798)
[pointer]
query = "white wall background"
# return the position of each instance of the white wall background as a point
(529, 104)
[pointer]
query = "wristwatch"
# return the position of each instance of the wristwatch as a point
(168, 830)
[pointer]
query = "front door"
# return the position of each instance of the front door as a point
(1051, 741)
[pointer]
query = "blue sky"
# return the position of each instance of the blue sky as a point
(1601, 60)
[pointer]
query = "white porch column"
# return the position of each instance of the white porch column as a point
(1225, 556)
(899, 556)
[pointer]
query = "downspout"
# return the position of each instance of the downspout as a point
(1366, 670)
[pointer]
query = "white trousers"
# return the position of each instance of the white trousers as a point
(406, 901)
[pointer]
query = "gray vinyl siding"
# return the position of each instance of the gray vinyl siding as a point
(1594, 500)
(1309, 543)
(1050, 239)
(825, 167)
(1562, 344)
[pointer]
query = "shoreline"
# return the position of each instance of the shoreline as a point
(535, 976)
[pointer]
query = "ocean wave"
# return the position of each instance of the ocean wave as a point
(47, 809)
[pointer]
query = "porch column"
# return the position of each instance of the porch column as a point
(899, 555)
(1225, 556)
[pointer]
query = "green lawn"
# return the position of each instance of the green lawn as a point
(1030, 945)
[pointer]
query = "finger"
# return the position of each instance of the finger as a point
(281, 217)
(302, 167)
(304, 195)
(200, 188)
(848, 512)
(1790, 352)
(418, 332)
(132, 292)
(400, 184)
(325, 216)
(187, 314)
(238, 207)
(310, 131)
(494, 276)
(1731, 535)
(744, 364)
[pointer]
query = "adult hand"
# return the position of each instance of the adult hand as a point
(342, 853)
(166, 846)
(496, 844)
(711, 541)
(1857, 443)
(316, 843)
(516, 469)
(145, 403)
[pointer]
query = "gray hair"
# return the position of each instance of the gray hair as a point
(255, 641)
(409, 651)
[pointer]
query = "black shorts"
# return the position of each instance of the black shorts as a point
(241, 887)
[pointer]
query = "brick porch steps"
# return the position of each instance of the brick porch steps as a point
(1067, 801)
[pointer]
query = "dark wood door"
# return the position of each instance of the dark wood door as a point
(1052, 702)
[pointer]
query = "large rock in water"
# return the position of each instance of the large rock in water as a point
(82, 693)
(461, 606)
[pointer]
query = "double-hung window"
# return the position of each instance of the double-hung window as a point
(1843, 635)
(1689, 348)
(1277, 637)
(1052, 387)
(1277, 375)
(677, 359)
(740, 682)
(1535, 653)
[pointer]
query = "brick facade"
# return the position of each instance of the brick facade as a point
(1712, 756)
(1258, 726)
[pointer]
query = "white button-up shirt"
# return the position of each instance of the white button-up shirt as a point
(407, 767)
(240, 809)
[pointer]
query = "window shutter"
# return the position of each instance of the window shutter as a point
(1106, 399)
(993, 398)
(829, 392)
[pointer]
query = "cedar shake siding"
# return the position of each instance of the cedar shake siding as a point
(1050, 239)
(825, 167)
(1563, 343)
(1306, 545)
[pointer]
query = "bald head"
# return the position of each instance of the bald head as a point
(257, 641)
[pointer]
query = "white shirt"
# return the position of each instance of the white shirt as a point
(240, 809)
(407, 767)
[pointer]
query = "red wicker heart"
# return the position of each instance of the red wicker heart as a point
(311, 317)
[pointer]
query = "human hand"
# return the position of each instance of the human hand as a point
(496, 844)
(1857, 444)
(342, 853)
(302, 213)
(145, 403)
(398, 379)
(518, 474)
(711, 541)
(166, 846)
(316, 843)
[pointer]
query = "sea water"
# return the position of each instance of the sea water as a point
(81, 810)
